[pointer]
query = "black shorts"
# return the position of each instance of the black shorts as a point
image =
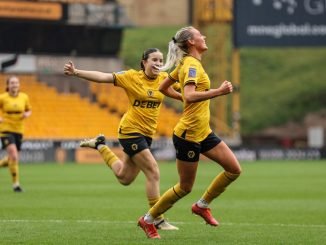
(8, 138)
(190, 151)
(132, 146)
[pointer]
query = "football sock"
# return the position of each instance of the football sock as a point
(217, 187)
(167, 200)
(14, 171)
(202, 203)
(151, 202)
(100, 146)
(4, 162)
(109, 157)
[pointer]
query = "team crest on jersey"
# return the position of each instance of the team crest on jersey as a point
(134, 147)
(192, 72)
(150, 93)
(191, 154)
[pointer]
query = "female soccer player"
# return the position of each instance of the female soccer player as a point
(138, 124)
(15, 108)
(193, 135)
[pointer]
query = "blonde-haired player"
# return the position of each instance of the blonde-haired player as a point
(138, 125)
(193, 135)
(15, 107)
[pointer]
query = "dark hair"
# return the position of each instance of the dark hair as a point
(146, 55)
(7, 82)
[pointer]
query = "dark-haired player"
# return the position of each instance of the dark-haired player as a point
(138, 125)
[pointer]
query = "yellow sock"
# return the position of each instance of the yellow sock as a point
(219, 185)
(4, 162)
(108, 156)
(166, 201)
(14, 170)
(152, 202)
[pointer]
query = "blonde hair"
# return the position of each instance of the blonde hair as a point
(178, 47)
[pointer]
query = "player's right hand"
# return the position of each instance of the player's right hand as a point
(69, 68)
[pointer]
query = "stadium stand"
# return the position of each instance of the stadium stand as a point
(64, 116)
(167, 120)
(101, 91)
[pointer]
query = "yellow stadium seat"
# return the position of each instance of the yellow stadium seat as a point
(68, 116)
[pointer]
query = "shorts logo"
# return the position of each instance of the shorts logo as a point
(134, 147)
(6, 142)
(191, 154)
(150, 93)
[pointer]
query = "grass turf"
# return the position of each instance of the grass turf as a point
(271, 203)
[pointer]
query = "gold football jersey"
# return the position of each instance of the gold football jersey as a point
(194, 122)
(145, 101)
(12, 112)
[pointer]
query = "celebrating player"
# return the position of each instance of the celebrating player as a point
(193, 135)
(138, 124)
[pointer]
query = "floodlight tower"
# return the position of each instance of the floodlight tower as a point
(214, 18)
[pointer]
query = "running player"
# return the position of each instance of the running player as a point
(15, 108)
(193, 135)
(137, 126)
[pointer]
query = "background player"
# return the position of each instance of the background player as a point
(15, 107)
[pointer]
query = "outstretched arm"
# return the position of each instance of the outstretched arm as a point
(166, 89)
(94, 76)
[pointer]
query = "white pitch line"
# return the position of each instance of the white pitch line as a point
(134, 222)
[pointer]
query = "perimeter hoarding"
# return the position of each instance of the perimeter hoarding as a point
(26, 10)
(279, 23)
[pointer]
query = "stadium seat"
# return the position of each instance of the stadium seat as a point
(63, 116)
(68, 116)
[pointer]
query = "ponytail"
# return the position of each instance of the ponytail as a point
(178, 47)
(173, 57)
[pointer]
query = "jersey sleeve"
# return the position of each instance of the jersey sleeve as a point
(123, 78)
(191, 72)
(176, 86)
(174, 75)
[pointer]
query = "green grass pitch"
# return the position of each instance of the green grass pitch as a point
(282, 202)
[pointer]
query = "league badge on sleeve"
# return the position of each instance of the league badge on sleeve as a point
(192, 72)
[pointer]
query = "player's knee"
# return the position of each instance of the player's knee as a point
(237, 171)
(186, 187)
(13, 159)
(234, 174)
(234, 168)
(125, 182)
